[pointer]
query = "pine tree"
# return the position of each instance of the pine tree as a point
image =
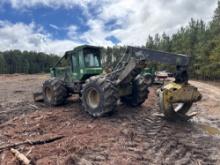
(215, 23)
(217, 13)
(150, 43)
(2, 64)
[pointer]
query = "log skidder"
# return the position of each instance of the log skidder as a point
(80, 71)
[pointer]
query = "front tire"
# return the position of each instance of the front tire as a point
(139, 93)
(54, 92)
(99, 96)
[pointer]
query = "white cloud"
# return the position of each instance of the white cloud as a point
(54, 26)
(135, 20)
(96, 35)
(132, 20)
(139, 19)
(31, 37)
(48, 3)
(72, 31)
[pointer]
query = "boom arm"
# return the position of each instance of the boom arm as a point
(137, 58)
(159, 56)
(179, 92)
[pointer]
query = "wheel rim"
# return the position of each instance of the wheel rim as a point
(48, 93)
(93, 98)
(148, 81)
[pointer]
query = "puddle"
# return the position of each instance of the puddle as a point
(210, 130)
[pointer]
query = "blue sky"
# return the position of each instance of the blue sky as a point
(54, 26)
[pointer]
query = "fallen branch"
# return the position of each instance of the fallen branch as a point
(16, 109)
(8, 111)
(20, 156)
(34, 106)
(3, 112)
(37, 142)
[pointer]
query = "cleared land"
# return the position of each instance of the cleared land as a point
(129, 136)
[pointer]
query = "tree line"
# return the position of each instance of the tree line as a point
(16, 61)
(199, 40)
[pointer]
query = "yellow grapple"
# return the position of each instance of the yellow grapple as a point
(175, 100)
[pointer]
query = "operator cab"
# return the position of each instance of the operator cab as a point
(79, 64)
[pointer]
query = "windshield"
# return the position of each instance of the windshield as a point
(92, 57)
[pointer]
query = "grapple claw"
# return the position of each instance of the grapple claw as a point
(175, 100)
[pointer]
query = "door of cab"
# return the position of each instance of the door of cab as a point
(63, 69)
(75, 66)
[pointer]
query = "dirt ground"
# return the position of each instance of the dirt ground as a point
(129, 136)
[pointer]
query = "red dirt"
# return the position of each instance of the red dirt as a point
(129, 136)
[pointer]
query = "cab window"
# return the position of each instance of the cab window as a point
(65, 62)
(92, 57)
(75, 64)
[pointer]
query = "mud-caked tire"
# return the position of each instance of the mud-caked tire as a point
(54, 92)
(139, 92)
(99, 96)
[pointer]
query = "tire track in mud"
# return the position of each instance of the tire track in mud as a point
(147, 138)
(171, 146)
(164, 142)
(11, 110)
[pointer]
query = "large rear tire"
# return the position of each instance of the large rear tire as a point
(139, 92)
(99, 96)
(54, 92)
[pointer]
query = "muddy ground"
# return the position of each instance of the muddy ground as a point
(129, 136)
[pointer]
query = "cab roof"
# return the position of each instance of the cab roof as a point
(82, 47)
(87, 46)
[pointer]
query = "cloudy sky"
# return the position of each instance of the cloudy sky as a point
(54, 26)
